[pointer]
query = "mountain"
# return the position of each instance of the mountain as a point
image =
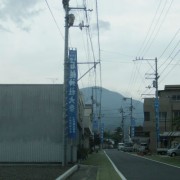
(111, 103)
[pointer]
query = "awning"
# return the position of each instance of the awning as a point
(170, 134)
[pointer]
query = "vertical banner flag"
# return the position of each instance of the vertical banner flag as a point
(133, 124)
(102, 132)
(156, 106)
(95, 124)
(72, 93)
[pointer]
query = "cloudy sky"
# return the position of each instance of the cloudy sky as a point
(32, 43)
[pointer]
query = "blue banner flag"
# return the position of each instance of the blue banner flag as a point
(72, 94)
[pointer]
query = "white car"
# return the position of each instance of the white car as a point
(120, 146)
(174, 151)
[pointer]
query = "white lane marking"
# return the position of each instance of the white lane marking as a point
(155, 160)
(119, 173)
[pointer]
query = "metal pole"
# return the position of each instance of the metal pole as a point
(123, 125)
(66, 7)
(131, 116)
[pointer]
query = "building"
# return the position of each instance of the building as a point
(169, 111)
(140, 136)
(87, 126)
(32, 125)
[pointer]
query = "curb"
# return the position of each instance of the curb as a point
(115, 168)
(68, 172)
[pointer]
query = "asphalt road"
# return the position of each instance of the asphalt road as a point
(138, 168)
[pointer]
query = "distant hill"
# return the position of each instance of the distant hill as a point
(111, 104)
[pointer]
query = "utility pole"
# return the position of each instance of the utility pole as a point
(64, 154)
(131, 114)
(156, 105)
(69, 22)
(156, 102)
(122, 122)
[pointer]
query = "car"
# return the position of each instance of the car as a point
(175, 151)
(120, 146)
(128, 147)
(143, 148)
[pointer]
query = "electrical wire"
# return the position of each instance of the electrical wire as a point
(169, 43)
(54, 19)
(170, 62)
(149, 29)
(154, 29)
(157, 32)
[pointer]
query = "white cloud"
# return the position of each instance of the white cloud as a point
(18, 12)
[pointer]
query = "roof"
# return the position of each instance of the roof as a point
(172, 87)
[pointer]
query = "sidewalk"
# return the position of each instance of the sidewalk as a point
(96, 167)
(31, 172)
(85, 172)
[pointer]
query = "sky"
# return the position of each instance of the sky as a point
(32, 43)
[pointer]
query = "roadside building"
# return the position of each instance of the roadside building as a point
(32, 125)
(169, 117)
(87, 126)
(140, 136)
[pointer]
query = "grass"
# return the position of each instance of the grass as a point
(166, 159)
(105, 168)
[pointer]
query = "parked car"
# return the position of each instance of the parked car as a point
(128, 147)
(162, 151)
(143, 148)
(175, 151)
(120, 146)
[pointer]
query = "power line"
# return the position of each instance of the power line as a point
(173, 38)
(157, 32)
(150, 27)
(170, 43)
(169, 64)
(170, 56)
(54, 19)
(150, 36)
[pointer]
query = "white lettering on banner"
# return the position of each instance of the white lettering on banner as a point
(72, 82)
(73, 74)
(71, 108)
(72, 92)
(72, 66)
(71, 100)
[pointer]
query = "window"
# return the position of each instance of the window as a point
(162, 116)
(176, 97)
(147, 116)
(176, 114)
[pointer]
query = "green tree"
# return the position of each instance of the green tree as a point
(117, 135)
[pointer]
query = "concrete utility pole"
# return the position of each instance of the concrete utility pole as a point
(66, 8)
(122, 122)
(69, 22)
(131, 112)
(156, 103)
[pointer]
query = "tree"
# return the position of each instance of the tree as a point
(117, 135)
